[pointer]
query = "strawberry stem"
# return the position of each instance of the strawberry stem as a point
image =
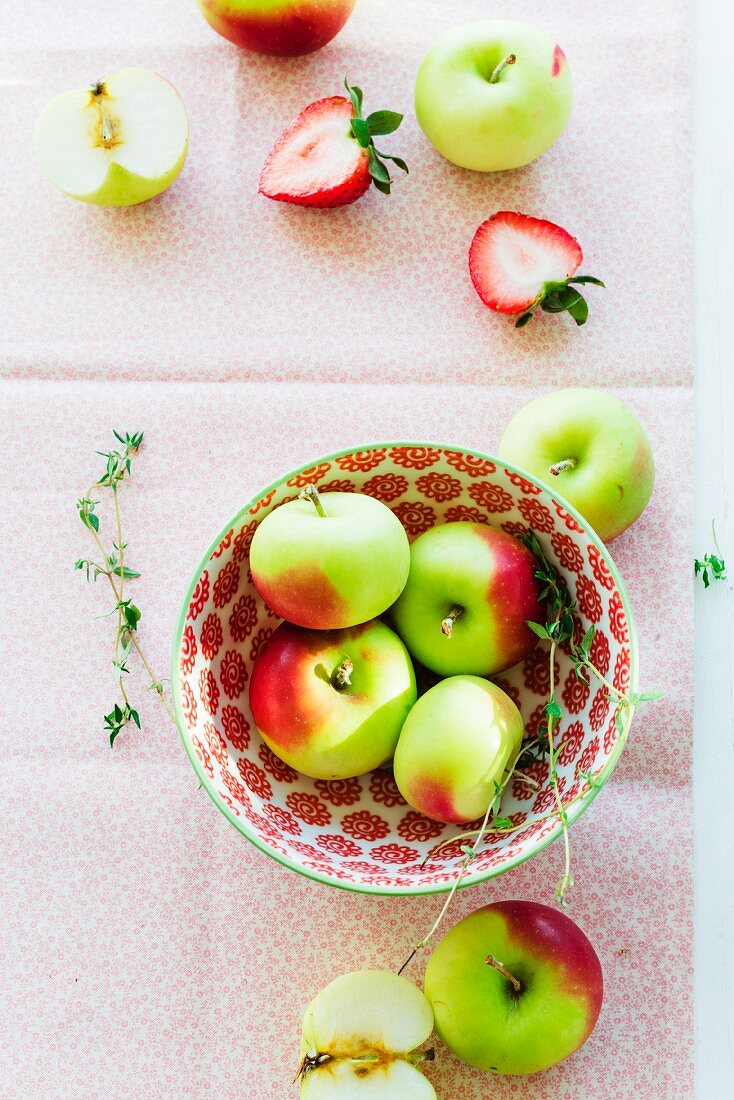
(499, 69)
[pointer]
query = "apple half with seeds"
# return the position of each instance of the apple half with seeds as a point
(117, 142)
(360, 1037)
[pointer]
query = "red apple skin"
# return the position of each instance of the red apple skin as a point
(477, 1012)
(280, 28)
(322, 731)
(304, 586)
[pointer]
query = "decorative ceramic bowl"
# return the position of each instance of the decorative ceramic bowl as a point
(359, 833)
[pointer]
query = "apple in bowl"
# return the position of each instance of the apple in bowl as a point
(470, 592)
(283, 28)
(455, 747)
(330, 560)
(331, 703)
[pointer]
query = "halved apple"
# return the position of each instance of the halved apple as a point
(116, 143)
(359, 1040)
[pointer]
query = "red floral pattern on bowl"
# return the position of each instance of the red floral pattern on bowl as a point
(358, 833)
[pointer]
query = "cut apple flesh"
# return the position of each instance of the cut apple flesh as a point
(396, 1080)
(357, 1034)
(133, 126)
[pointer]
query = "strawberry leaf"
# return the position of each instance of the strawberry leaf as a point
(560, 297)
(579, 310)
(361, 132)
(383, 122)
(587, 279)
(378, 171)
(356, 96)
(396, 160)
(363, 129)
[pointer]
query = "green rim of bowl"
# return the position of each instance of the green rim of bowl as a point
(402, 891)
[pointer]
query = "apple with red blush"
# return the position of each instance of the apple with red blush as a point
(470, 592)
(592, 448)
(330, 560)
(283, 28)
(455, 748)
(515, 987)
(332, 703)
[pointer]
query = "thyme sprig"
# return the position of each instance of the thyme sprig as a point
(558, 630)
(711, 566)
(112, 565)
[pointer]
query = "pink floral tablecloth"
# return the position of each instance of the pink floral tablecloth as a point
(145, 948)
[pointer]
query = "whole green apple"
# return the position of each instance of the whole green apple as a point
(330, 561)
(284, 28)
(593, 451)
(493, 95)
(332, 703)
(455, 746)
(470, 592)
(515, 987)
(117, 142)
(359, 1038)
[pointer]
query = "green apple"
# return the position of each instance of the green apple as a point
(470, 592)
(359, 1040)
(284, 28)
(493, 95)
(593, 450)
(331, 703)
(455, 746)
(515, 987)
(116, 142)
(330, 560)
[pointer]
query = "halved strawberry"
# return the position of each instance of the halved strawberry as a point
(518, 263)
(326, 157)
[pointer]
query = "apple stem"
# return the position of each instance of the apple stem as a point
(417, 1056)
(341, 677)
(447, 626)
(497, 72)
(560, 467)
(491, 961)
(311, 493)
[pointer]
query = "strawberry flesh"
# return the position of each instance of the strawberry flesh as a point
(317, 161)
(513, 256)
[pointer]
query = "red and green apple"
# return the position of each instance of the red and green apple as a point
(493, 95)
(515, 987)
(455, 746)
(359, 1040)
(284, 28)
(591, 448)
(330, 560)
(332, 703)
(117, 142)
(470, 591)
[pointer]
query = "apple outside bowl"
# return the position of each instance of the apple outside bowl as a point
(359, 833)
